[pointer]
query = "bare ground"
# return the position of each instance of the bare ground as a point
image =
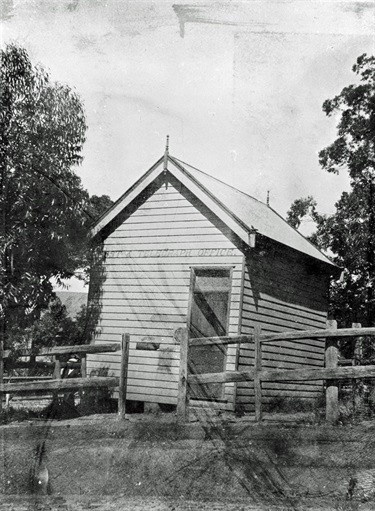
(150, 462)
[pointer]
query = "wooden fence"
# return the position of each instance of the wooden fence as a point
(331, 373)
(58, 384)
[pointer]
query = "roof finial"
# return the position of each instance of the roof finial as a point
(268, 197)
(166, 153)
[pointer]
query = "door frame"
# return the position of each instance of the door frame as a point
(188, 322)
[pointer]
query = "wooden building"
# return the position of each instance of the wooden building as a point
(181, 249)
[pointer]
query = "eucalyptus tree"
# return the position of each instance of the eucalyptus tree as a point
(43, 206)
(349, 234)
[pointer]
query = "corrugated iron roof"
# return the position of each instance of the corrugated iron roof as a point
(241, 210)
(254, 213)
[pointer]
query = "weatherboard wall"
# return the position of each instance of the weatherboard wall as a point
(282, 292)
(146, 284)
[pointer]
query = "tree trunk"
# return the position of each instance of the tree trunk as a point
(370, 306)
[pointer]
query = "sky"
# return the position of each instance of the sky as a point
(238, 86)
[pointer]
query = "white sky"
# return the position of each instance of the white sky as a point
(238, 86)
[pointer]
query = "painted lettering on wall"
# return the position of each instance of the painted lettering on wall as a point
(168, 252)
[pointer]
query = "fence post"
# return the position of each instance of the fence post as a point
(332, 391)
(83, 392)
(358, 347)
(57, 370)
(56, 375)
(84, 366)
(357, 360)
(123, 375)
(1, 370)
(182, 398)
(258, 369)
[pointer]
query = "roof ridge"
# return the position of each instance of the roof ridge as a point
(179, 164)
(243, 210)
(220, 181)
(260, 202)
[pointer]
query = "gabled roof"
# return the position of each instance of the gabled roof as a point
(239, 211)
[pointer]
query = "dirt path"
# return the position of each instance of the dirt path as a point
(122, 504)
(126, 504)
(17, 503)
(152, 463)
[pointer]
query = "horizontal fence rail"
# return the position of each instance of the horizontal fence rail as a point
(38, 364)
(353, 372)
(283, 336)
(316, 334)
(65, 350)
(330, 373)
(55, 384)
(59, 385)
(221, 341)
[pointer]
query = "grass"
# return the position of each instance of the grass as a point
(17, 415)
(59, 408)
(296, 405)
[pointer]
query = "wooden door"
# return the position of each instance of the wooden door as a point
(209, 315)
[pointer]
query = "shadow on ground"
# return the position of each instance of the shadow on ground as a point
(150, 457)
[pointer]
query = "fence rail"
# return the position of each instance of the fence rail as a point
(65, 350)
(353, 372)
(316, 334)
(57, 384)
(331, 372)
(28, 387)
(283, 336)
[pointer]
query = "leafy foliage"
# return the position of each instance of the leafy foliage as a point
(349, 234)
(300, 209)
(55, 327)
(98, 205)
(44, 210)
(353, 148)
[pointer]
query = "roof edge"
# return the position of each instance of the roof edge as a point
(180, 164)
(328, 261)
(93, 231)
(110, 215)
(212, 197)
